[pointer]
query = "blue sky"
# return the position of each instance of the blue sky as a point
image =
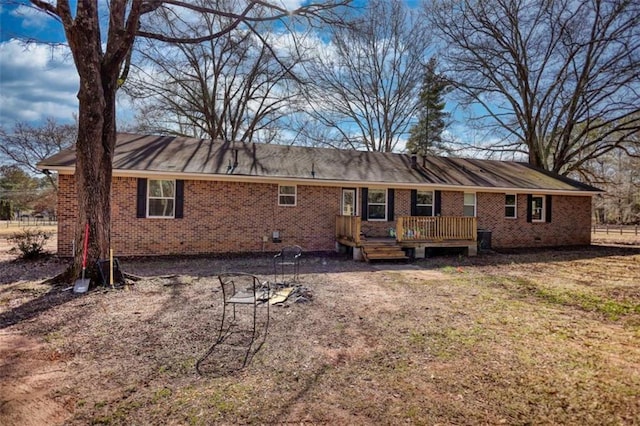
(37, 75)
(20, 20)
(37, 80)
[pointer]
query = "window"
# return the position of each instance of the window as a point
(287, 195)
(161, 198)
(424, 203)
(469, 208)
(510, 206)
(537, 208)
(377, 204)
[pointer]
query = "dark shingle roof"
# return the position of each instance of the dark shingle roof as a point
(179, 155)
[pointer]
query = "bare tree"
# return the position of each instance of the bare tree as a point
(25, 145)
(558, 80)
(101, 40)
(232, 87)
(365, 86)
(618, 174)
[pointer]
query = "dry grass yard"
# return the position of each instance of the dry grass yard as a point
(8, 228)
(614, 238)
(538, 337)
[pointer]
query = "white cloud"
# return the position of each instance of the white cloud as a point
(30, 17)
(290, 4)
(36, 81)
(39, 81)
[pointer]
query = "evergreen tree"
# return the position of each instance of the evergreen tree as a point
(5, 210)
(17, 187)
(425, 137)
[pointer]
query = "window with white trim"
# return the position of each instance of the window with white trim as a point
(537, 208)
(287, 195)
(161, 198)
(424, 203)
(510, 206)
(377, 204)
(469, 208)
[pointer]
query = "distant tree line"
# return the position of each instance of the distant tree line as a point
(21, 193)
(23, 187)
(620, 178)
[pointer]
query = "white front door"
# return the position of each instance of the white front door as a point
(348, 202)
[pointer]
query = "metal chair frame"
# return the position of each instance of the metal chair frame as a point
(288, 256)
(250, 294)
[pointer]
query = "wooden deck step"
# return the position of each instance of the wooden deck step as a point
(383, 251)
(374, 256)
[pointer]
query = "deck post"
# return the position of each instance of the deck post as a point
(357, 254)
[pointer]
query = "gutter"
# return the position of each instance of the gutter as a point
(314, 181)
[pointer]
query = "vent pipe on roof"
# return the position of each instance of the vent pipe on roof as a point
(231, 167)
(313, 170)
(414, 161)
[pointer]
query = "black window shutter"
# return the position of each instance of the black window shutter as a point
(547, 207)
(141, 201)
(529, 206)
(179, 199)
(437, 203)
(390, 203)
(414, 202)
(364, 211)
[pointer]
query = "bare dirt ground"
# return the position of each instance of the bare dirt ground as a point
(526, 337)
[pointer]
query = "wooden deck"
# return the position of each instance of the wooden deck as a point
(382, 249)
(416, 232)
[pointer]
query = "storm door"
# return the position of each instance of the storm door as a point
(348, 202)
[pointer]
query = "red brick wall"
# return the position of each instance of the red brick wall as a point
(570, 225)
(67, 212)
(570, 222)
(402, 207)
(452, 203)
(221, 217)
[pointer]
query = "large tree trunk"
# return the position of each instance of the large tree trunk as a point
(96, 137)
(95, 144)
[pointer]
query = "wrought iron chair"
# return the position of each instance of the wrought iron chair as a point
(245, 290)
(288, 257)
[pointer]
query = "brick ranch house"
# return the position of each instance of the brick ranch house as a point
(175, 195)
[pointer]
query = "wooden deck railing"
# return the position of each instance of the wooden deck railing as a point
(436, 228)
(348, 227)
(415, 228)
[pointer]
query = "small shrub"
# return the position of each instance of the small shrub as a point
(29, 242)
